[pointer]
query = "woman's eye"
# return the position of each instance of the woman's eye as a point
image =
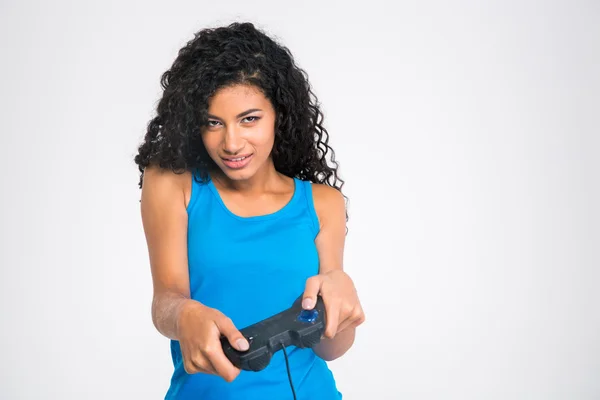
(212, 123)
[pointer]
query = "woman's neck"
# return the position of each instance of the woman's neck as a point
(264, 180)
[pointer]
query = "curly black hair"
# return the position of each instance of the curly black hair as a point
(229, 55)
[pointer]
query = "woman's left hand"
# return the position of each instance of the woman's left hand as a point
(342, 306)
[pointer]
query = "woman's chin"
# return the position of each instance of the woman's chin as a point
(239, 174)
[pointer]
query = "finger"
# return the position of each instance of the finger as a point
(352, 318)
(190, 368)
(311, 291)
(194, 361)
(360, 319)
(221, 364)
(202, 364)
(332, 309)
(228, 329)
(347, 323)
(213, 350)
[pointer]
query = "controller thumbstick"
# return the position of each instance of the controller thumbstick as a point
(308, 316)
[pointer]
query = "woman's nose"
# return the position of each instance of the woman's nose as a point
(233, 142)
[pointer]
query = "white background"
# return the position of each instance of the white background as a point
(468, 134)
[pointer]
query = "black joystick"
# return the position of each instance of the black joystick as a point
(292, 327)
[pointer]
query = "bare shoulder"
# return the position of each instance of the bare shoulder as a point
(329, 203)
(162, 184)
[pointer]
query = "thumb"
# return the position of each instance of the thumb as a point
(311, 291)
(233, 335)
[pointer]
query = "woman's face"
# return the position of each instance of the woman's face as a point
(240, 132)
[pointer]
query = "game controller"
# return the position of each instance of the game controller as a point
(292, 327)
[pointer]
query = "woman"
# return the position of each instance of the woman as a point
(243, 215)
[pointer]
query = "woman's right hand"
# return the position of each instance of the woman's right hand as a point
(199, 331)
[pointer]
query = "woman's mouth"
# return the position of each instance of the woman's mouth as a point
(237, 162)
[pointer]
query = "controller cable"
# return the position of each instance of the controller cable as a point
(287, 365)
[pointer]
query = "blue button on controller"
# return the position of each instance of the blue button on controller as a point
(308, 316)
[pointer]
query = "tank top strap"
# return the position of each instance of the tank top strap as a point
(197, 188)
(310, 205)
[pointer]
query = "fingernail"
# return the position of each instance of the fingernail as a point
(242, 344)
(307, 303)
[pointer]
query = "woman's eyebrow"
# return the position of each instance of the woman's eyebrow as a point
(240, 115)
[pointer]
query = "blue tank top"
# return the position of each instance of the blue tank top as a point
(251, 268)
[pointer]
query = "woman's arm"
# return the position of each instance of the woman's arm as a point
(164, 218)
(343, 308)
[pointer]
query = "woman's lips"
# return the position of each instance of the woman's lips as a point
(237, 162)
